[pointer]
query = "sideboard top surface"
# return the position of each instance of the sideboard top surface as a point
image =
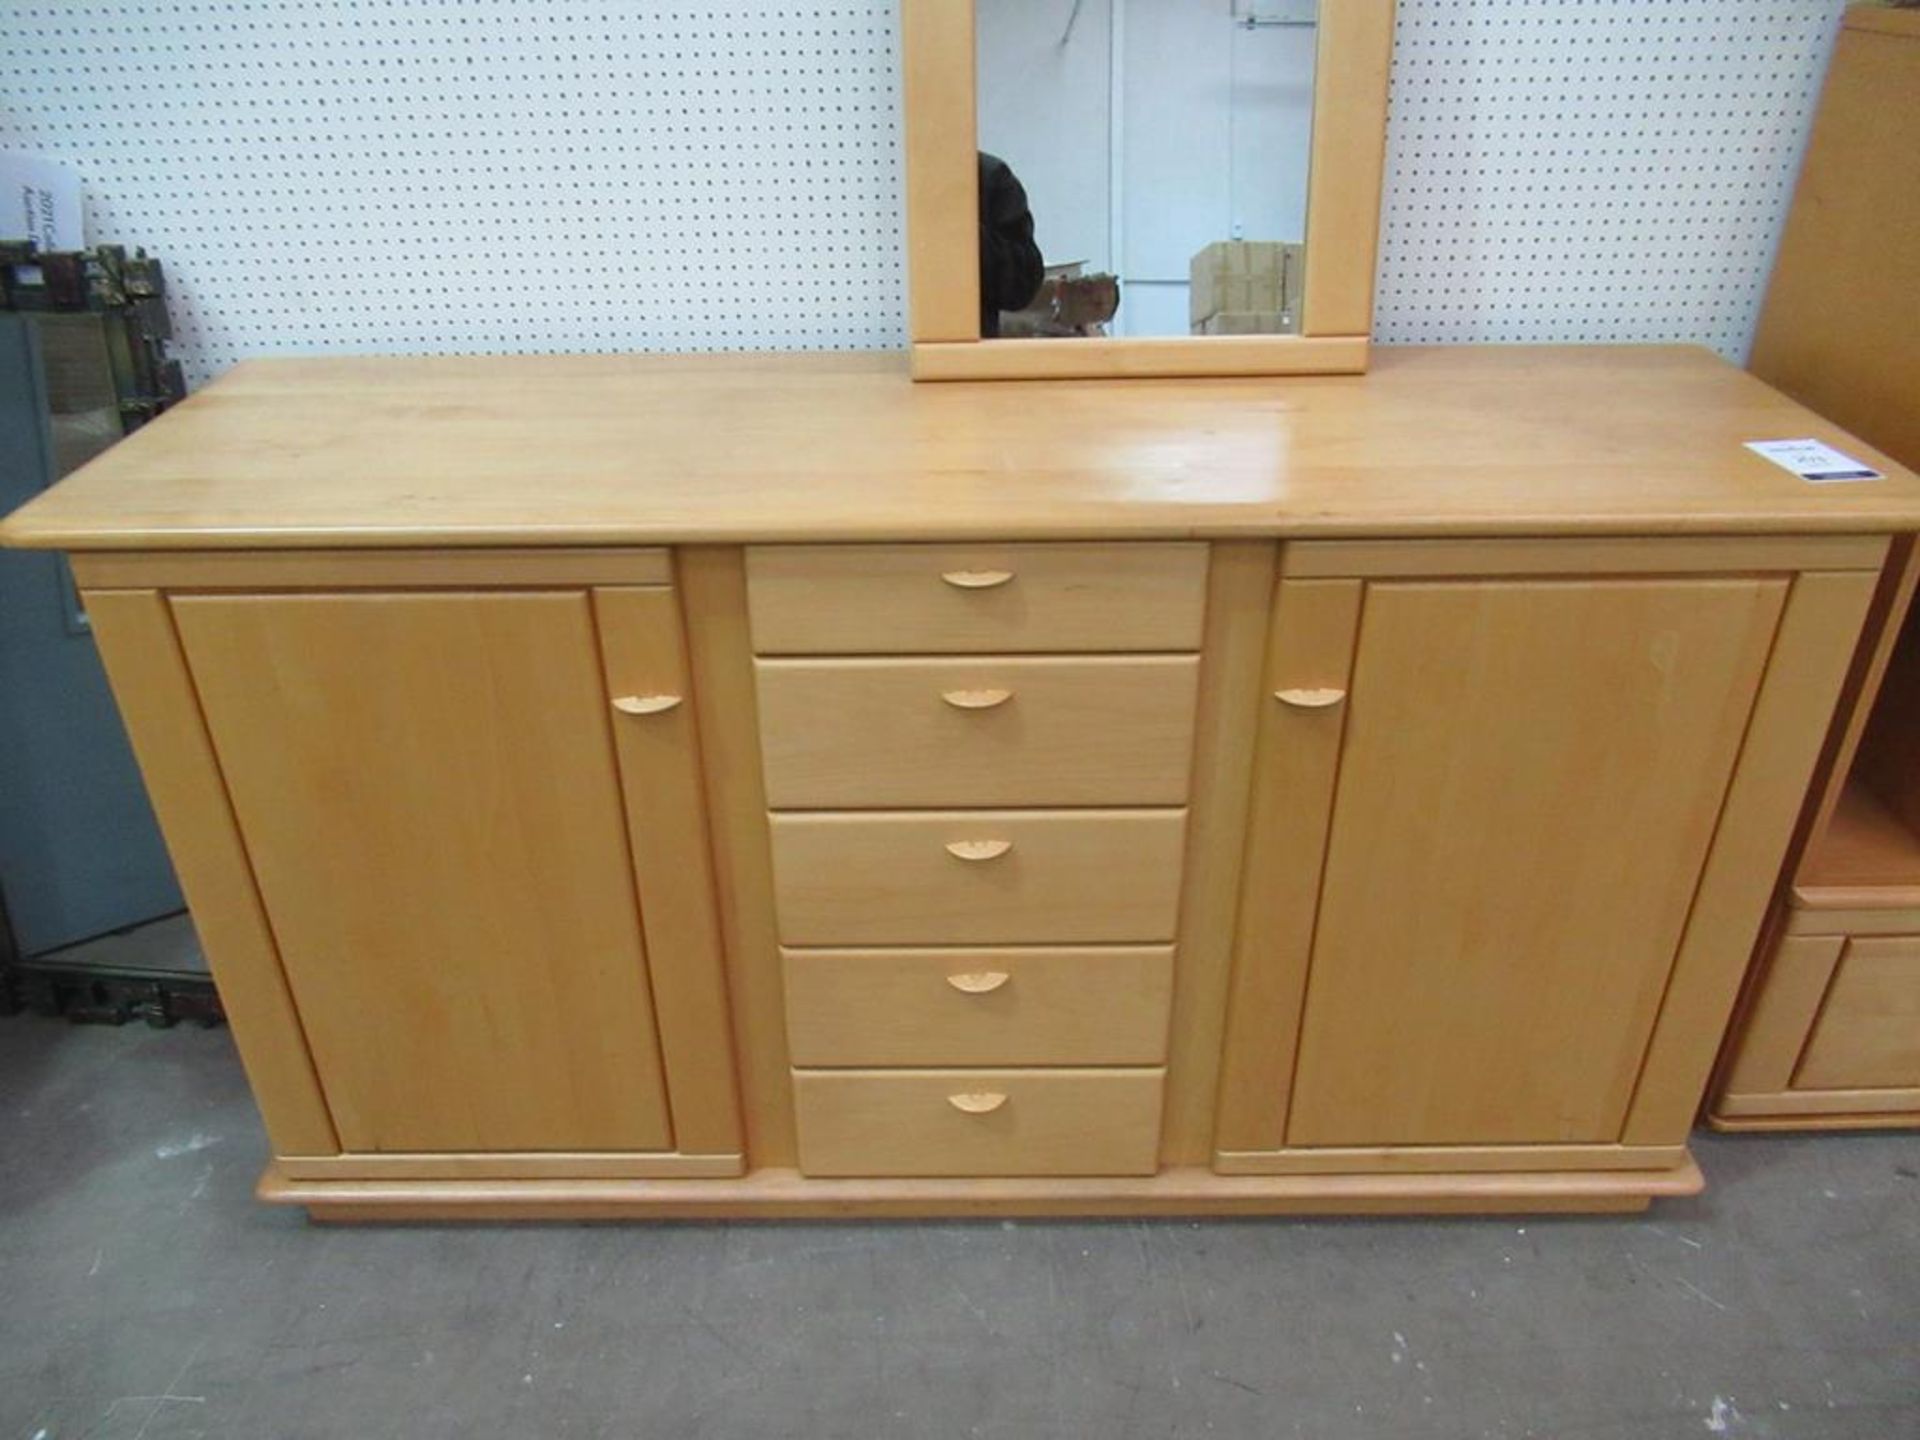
(579, 450)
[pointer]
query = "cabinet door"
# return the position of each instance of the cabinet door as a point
(1483, 857)
(430, 798)
(1529, 781)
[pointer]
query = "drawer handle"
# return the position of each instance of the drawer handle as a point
(1310, 699)
(645, 704)
(978, 1102)
(976, 699)
(977, 579)
(979, 982)
(977, 850)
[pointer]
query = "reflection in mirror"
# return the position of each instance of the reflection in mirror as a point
(1143, 165)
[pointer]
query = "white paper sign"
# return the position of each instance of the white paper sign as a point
(42, 202)
(1814, 461)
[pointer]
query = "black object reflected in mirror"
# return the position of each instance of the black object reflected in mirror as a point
(1010, 265)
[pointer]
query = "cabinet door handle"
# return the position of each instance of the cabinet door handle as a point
(977, 579)
(976, 699)
(979, 1102)
(1310, 699)
(645, 704)
(979, 982)
(978, 850)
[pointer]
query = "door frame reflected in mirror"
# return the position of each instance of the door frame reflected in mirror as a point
(1354, 55)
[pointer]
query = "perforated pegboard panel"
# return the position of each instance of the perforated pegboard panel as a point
(1592, 170)
(578, 175)
(483, 175)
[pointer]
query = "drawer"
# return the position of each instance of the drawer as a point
(1868, 1033)
(936, 599)
(978, 1122)
(1106, 730)
(1105, 1006)
(984, 877)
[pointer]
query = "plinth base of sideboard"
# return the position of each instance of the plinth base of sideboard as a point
(776, 1194)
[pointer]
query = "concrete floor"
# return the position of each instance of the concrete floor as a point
(144, 1295)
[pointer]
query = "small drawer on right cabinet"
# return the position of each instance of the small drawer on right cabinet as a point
(1095, 1005)
(978, 1122)
(947, 599)
(1830, 1036)
(1867, 1036)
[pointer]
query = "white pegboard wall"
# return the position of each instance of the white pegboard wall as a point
(482, 176)
(1592, 170)
(583, 175)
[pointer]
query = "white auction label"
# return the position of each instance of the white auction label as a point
(1814, 461)
(42, 201)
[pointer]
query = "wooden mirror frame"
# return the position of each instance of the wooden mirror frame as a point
(1353, 57)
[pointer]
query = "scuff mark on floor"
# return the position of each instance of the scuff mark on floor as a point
(173, 1149)
(1695, 1290)
(1722, 1416)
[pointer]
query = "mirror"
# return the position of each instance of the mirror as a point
(1201, 179)
(1143, 167)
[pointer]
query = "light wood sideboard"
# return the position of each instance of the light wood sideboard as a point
(755, 786)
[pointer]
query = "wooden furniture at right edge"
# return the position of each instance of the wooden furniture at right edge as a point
(1828, 1035)
(1829, 1030)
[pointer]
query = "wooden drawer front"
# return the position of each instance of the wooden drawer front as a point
(1868, 1033)
(1050, 876)
(840, 734)
(978, 1122)
(1103, 1006)
(935, 599)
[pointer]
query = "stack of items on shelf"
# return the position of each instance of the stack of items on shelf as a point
(1246, 287)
